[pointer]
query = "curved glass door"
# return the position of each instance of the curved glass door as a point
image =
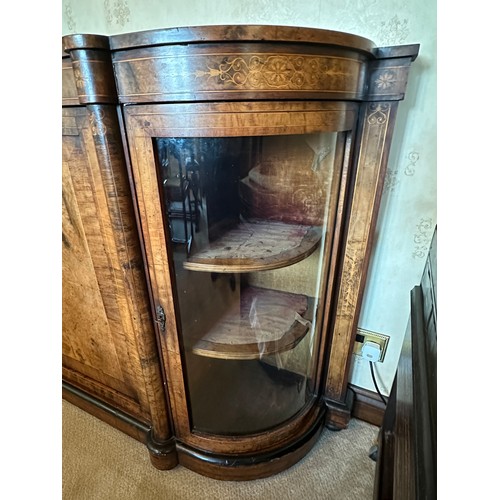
(249, 223)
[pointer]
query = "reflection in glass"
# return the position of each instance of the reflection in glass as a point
(247, 219)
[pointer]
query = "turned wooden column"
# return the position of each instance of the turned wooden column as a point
(386, 86)
(88, 82)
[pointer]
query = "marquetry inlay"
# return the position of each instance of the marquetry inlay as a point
(276, 72)
(96, 119)
(174, 74)
(378, 113)
(386, 80)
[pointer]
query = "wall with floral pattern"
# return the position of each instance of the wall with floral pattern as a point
(408, 212)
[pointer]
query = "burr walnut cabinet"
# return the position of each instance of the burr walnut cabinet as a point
(220, 190)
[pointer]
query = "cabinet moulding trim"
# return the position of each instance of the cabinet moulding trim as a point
(127, 419)
(367, 406)
(252, 466)
(162, 454)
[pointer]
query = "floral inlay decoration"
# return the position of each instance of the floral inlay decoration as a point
(378, 114)
(386, 80)
(280, 72)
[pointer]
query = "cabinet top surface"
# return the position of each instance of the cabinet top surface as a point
(221, 33)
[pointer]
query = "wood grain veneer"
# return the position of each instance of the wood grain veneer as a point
(125, 344)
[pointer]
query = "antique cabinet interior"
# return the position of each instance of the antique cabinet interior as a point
(220, 188)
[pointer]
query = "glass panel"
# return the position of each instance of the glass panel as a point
(247, 220)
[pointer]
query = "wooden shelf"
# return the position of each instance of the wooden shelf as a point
(256, 245)
(262, 322)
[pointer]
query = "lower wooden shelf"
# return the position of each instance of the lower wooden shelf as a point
(263, 322)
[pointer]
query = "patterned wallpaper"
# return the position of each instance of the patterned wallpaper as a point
(408, 211)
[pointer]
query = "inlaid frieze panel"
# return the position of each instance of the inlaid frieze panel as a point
(174, 74)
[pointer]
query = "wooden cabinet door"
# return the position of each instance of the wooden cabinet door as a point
(235, 388)
(109, 348)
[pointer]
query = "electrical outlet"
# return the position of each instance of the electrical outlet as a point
(363, 336)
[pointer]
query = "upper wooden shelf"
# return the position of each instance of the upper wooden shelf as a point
(256, 246)
(261, 322)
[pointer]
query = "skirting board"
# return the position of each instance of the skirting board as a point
(367, 406)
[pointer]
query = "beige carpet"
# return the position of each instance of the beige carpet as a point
(100, 462)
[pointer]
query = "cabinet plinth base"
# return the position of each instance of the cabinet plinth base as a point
(101, 410)
(338, 413)
(163, 455)
(246, 468)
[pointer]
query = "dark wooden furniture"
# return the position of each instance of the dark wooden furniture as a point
(230, 357)
(407, 445)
